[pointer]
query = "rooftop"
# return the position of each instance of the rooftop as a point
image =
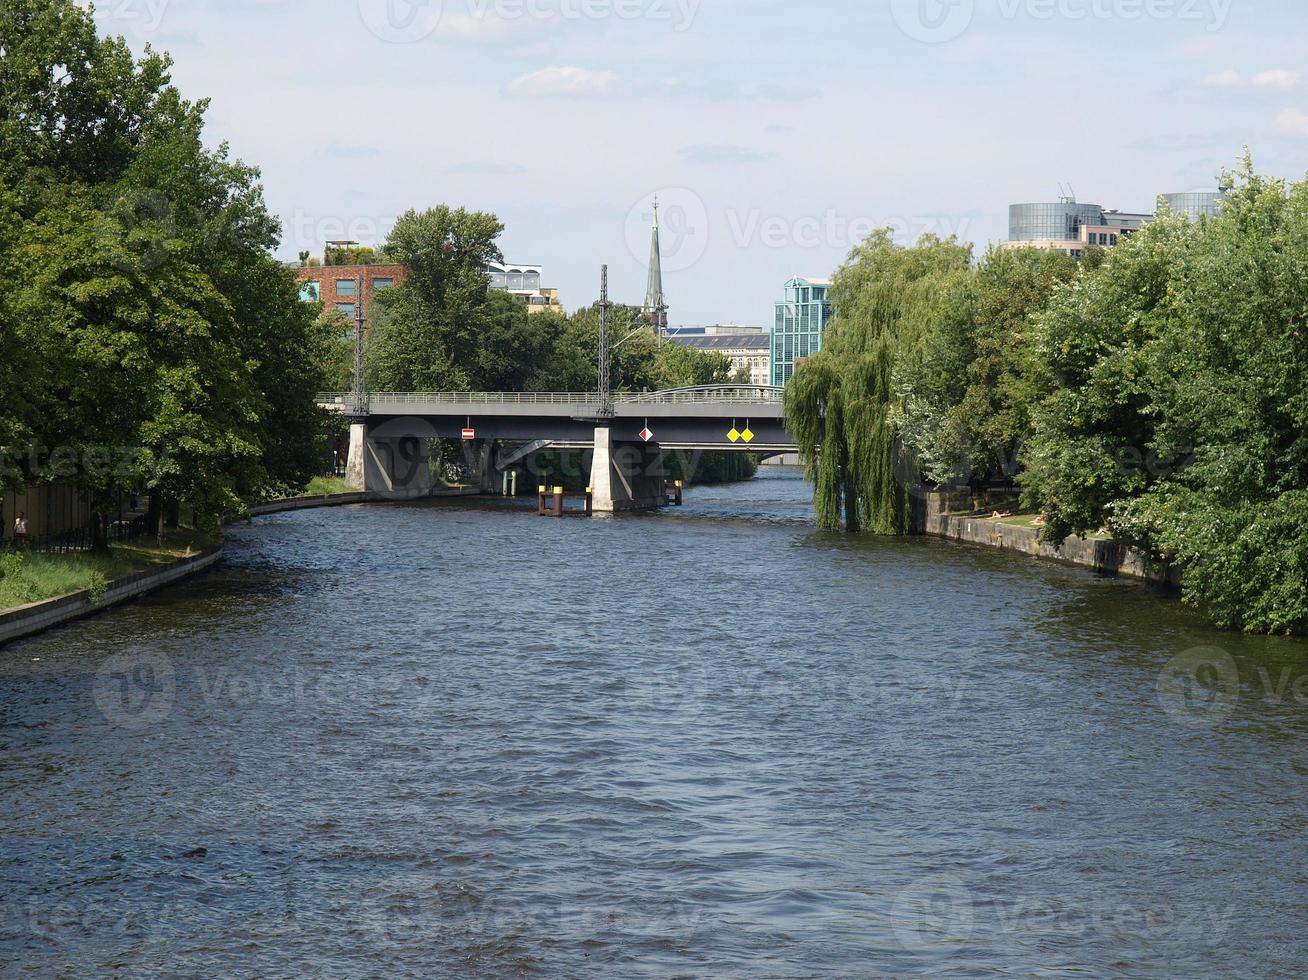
(744, 341)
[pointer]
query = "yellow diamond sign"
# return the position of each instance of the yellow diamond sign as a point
(734, 436)
(747, 435)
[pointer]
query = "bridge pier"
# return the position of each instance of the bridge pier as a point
(393, 464)
(626, 476)
(354, 478)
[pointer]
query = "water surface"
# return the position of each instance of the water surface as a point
(457, 739)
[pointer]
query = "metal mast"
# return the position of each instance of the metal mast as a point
(359, 408)
(605, 351)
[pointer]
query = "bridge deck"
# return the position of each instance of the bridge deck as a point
(689, 419)
(706, 403)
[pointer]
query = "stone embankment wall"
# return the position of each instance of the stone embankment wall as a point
(1106, 557)
(28, 620)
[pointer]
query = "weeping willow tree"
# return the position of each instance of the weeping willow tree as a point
(841, 404)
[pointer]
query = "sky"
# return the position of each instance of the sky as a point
(776, 133)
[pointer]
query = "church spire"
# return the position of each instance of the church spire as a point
(656, 306)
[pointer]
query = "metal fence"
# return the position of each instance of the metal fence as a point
(59, 520)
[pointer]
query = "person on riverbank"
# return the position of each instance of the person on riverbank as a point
(20, 529)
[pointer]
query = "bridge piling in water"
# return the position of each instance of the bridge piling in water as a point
(626, 476)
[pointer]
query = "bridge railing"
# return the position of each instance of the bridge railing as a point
(708, 394)
(711, 395)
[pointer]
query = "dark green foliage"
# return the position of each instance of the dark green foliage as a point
(152, 341)
(1159, 388)
(843, 405)
(1182, 413)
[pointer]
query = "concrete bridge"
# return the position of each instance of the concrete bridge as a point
(389, 449)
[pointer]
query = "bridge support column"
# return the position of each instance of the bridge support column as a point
(626, 476)
(380, 463)
(486, 467)
(354, 463)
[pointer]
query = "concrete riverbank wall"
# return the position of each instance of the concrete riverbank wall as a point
(1103, 555)
(346, 499)
(40, 616)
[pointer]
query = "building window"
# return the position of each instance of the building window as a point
(345, 287)
(383, 283)
(346, 308)
(1112, 239)
(310, 292)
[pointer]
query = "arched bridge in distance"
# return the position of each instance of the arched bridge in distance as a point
(627, 439)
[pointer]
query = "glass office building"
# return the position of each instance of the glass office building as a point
(1051, 222)
(797, 329)
(1193, 203)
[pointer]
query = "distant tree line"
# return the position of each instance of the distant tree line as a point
(151, 341)
(1158, 390)
(445, 329)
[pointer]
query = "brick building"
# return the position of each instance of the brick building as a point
(336, 286)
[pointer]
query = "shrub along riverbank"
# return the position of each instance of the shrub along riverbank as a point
(1157, 390)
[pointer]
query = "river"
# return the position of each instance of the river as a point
(458, 739)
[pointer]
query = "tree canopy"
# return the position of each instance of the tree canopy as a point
(1157, 389)
(150, 322)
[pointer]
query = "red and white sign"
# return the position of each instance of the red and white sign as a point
(645, 434)
(469, 435)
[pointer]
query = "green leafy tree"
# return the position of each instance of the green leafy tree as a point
(843, 406)
(970, 391)
(155, 324)
(1182, 417)
(426, 331)
(687, 367)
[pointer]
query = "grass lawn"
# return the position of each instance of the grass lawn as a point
(326, 486)
(29, 577)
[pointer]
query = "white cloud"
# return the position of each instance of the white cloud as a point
(1278, 78)
(1275, 79)
(1224, 79)
(561, 80)
(1293, 122)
